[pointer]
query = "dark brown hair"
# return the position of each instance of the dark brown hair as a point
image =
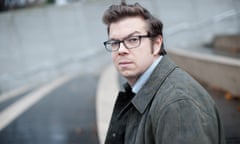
(116, 13)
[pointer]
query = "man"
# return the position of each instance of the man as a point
(161, 103)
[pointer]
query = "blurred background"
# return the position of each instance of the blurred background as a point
(42, 40)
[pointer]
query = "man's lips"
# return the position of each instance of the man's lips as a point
(123, 63)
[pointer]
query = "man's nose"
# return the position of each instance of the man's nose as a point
(122, 48)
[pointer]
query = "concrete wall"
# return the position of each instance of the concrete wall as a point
(40, 43)
(215, 70)
(197, 21)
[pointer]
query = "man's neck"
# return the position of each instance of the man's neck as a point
(141, 80)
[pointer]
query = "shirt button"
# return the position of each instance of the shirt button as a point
(114, 135)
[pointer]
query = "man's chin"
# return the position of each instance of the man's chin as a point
(127, 75)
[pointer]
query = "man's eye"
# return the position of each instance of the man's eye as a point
(132, 40)
(114, 43)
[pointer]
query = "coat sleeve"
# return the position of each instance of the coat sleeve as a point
(183, 122)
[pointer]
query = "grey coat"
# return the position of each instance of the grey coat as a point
(171, 108)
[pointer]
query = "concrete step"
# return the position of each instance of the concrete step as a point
(227, 44)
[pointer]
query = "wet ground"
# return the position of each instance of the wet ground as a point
(66, 116)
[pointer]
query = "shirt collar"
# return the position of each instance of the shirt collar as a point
(145, 76)
(145, 95)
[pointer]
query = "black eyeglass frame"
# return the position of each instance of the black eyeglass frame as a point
(123, 41)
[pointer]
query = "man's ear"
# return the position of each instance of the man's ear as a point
(157, 44)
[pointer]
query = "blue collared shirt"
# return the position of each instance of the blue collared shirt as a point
(141, 81)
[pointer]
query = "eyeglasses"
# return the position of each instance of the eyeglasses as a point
(129, 43)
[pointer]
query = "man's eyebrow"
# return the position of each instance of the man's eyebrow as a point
(129, 35)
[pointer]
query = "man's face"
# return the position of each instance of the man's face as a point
(131, 63)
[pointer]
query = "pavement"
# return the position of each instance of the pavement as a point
(106, 95)
(61, 111)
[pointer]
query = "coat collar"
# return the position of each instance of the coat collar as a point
(142, 99)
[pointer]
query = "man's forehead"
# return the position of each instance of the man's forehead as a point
(127, 26)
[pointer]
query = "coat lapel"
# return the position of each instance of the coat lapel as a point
(148, 91)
